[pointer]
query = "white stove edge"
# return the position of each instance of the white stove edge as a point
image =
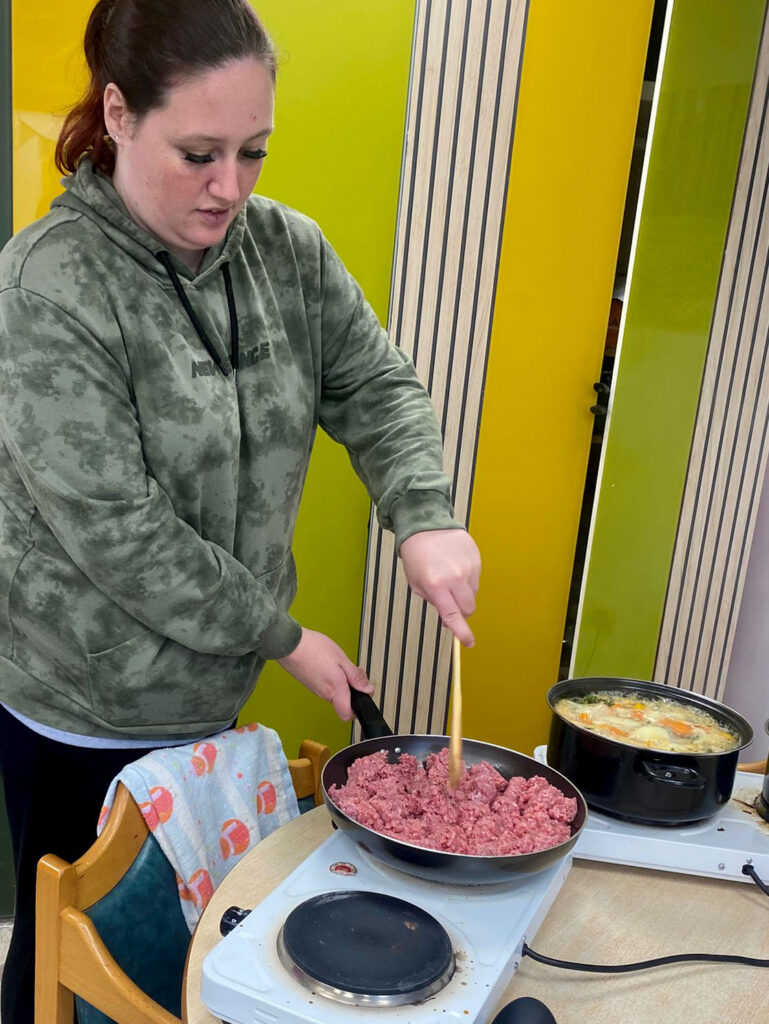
(715, 848)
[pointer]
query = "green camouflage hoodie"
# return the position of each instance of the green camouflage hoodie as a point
(148, 491)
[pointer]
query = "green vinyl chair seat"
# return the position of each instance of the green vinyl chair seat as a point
(141, 922)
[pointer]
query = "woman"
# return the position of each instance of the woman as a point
(168, 345)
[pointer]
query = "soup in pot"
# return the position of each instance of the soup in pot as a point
(653, 722)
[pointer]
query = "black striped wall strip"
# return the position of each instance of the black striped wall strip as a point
(732, 604)
(421, 633)
(417, 330)
(473, 380)
(742, 404)
(482, 382)
(738, 546)
(465, 74)
(728, 461)
(415, 638)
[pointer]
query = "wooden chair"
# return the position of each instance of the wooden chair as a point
(71, 957)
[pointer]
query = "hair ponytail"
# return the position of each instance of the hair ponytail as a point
(145, 47)
(84, 129)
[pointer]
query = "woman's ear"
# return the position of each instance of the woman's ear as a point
(116, 115)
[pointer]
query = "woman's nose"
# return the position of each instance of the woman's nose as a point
(224, 183)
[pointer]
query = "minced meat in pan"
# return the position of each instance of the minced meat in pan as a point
(485, 816)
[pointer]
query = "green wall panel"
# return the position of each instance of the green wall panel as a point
(336, 156)
(703, 101)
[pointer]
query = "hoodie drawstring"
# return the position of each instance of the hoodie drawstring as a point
(234, 329)
(165, 259)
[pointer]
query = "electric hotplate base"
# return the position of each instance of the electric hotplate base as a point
(717, 847)
(244, 981)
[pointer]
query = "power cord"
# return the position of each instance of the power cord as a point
(643, 965)
(748, 869)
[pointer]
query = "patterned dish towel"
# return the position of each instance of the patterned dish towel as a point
(207, 803)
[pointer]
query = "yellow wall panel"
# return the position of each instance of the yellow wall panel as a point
(580, 88)
(48, 77)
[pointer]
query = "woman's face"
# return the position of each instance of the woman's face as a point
(185, 169)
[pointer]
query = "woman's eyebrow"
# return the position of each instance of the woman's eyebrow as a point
(215, 139)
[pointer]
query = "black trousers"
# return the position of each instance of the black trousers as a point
(53, 793)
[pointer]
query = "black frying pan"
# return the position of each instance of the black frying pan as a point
(452, 868)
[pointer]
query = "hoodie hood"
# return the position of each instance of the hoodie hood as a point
(92, 194)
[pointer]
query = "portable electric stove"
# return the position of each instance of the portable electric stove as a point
(717, 847)
(388, 947)
(384, 946)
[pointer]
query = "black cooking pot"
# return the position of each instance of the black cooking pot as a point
(762, 804)
(636, 783)
(435, 865)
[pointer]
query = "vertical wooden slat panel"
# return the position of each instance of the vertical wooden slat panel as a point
(728, 457)
(462, 102)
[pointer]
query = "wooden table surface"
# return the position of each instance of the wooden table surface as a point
(603, 914)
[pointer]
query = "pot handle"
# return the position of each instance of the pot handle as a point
(367, 712)
(673, 775)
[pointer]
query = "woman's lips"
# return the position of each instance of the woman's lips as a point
(214, 217)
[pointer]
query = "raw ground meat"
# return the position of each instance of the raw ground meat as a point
(484, 816)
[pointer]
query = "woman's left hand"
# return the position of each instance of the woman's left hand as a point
(444, 567)
(322, 666)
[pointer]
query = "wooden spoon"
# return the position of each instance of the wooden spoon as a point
(455, 738)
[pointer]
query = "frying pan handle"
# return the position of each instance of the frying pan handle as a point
(372, 722)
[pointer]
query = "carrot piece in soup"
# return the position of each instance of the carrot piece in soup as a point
(679, 728)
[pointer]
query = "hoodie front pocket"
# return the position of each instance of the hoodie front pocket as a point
(150, 680)
(119, 677)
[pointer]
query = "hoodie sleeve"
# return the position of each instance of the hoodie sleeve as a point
(70, 426)
(373, 402)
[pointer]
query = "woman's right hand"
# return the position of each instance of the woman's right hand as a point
(322, 666)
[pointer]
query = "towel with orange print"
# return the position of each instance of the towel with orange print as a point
(207, 803)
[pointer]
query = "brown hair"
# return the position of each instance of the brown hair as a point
(145, 47)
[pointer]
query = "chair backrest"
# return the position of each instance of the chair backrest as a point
(130, 982)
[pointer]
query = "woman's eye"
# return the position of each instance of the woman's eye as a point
(207, 158)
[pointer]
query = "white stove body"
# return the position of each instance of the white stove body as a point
(244, 981)
(717, 847)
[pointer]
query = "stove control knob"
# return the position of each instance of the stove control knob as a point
(525, 1010)
(231, 918)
